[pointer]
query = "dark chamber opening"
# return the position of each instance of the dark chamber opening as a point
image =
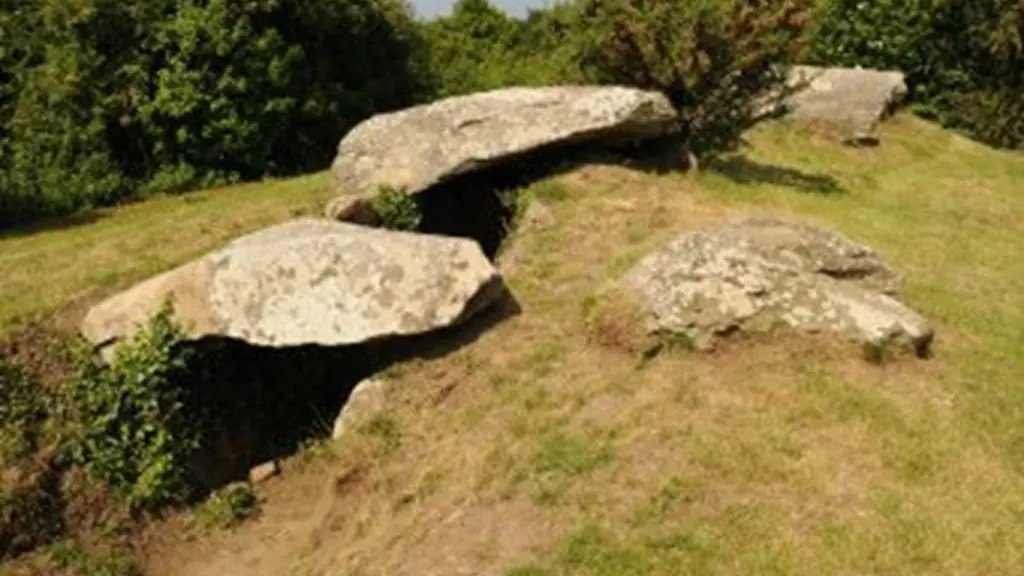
(262, 403)
(481, 204)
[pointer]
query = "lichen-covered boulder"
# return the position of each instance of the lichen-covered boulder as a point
(855, 100)
(312, 281)
(419, 147)
(758, 273)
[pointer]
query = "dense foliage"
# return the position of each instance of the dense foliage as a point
(717, 60)
(108, 99)
(964, 59)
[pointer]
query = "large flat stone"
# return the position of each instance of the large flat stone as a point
(312, 281)
(419, 147)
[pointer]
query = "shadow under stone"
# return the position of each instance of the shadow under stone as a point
(259, 403)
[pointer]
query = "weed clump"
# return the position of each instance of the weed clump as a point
(396, 209)
(228, 506)
(70, 555)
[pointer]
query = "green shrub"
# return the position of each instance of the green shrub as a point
(992, 115)
(396, 209)
(716, 60)
(964, 60)
(245, 89)
(177, 178)
(549, 46)
(130, 429)
(58, 153)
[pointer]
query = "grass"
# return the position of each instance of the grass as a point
(386, 432)
(592, 551)
(541, 448)
(561, 458)
(948, 212)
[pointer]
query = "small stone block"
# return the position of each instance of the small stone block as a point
(264, 472)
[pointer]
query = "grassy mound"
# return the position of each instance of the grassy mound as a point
(545, 448)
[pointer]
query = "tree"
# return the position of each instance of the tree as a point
(716, 60)
(471, 50)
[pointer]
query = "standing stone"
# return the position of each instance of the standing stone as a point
(312, 281)
(416, 148)
(758, 273)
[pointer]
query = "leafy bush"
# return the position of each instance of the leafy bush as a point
(964, 60)
(396, 209)
(549, 46)
(992, 115)
(716, 60)
(65, 95)
(255, 88)
(130, 428)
